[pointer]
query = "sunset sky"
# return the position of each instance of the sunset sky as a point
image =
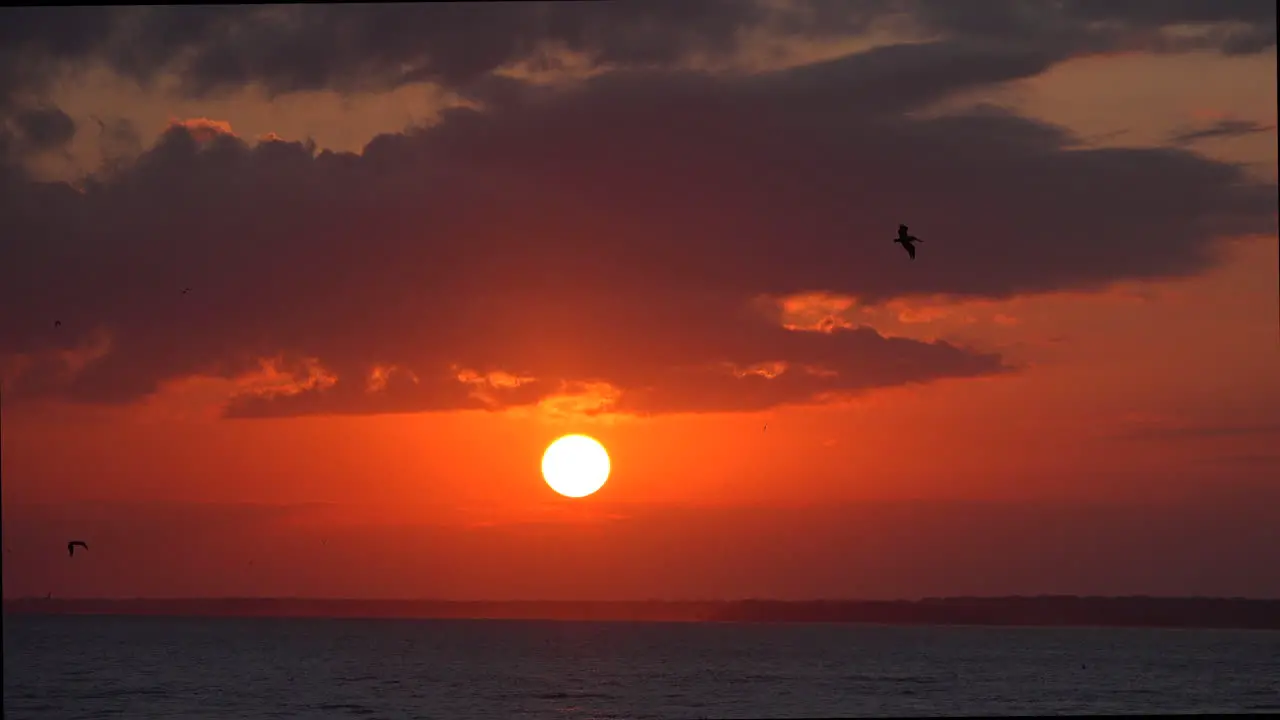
(422, 242)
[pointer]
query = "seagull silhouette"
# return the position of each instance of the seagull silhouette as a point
(71, 547)
(906, 241)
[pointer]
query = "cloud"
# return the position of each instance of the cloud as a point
(1220, 129)
(45, 128)
(204, 130)
(1237, 27)
(377, 47)
(32, 131)
(372, 47)
(1082, 27)
(638, 234)
(910, 549)
(118, 142)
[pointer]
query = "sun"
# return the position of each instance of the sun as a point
(575, 465)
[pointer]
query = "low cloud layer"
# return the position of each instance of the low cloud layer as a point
(629, 239)
(875, 550)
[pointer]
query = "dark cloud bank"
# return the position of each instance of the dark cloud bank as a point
(289, 48)
(619, 230)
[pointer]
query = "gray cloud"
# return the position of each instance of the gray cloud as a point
(1232, 27)
(1221, 129)
(45, 128)
(620, 230)
(379, 46)
(34, 130)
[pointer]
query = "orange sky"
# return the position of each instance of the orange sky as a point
(1131, 447)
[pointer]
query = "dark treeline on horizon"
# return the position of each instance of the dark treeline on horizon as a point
(1136, 611)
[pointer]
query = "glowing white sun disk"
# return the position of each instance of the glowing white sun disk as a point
(575, 465)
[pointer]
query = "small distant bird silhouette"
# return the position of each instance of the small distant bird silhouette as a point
(57, 323)
(907, 241)
(186, 290)
(71, 547)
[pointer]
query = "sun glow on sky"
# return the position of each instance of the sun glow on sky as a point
(366, 291)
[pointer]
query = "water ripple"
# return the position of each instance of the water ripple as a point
(81, 667)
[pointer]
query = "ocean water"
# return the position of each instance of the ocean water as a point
(134, 667)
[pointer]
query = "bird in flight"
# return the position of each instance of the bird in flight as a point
(57, 323)
(71, 547)
(907, 241)
(186, 290)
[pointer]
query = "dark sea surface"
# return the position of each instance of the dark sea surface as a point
(139, 667)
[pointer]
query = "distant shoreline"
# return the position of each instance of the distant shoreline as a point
(1043, 611)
